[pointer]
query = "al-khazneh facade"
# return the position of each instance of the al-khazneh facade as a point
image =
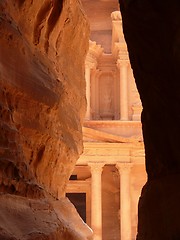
(108, 177)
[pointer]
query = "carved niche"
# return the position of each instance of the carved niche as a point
(104, 95)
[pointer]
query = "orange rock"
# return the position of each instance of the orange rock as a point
(42, 105)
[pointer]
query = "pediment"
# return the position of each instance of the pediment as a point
(90, 134)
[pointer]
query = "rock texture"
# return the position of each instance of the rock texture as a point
(41, 219)
(42, 105)
(152, 32)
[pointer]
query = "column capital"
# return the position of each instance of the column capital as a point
(124, 167)
(90, 65)
(123, 63)
(96, 166)
(116, 16)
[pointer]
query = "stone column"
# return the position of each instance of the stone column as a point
(125, 200)
(93, 54)
(96, 200)
(88, 90)
(123, 68)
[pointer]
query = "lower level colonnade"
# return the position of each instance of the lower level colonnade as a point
(125, 200)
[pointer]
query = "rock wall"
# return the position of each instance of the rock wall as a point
(42, 104)
(152, 32)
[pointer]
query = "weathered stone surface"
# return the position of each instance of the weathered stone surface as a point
(23, 218)
(152, 33)
(42, 105)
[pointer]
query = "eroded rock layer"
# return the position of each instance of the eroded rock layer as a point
(42, 104)
(152, 32)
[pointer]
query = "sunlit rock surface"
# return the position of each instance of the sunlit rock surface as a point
(42, 105)
(152, 32)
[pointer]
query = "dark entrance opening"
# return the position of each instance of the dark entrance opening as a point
(79, 201)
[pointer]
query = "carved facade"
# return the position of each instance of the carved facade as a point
(110, 173)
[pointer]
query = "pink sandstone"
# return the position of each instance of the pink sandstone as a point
(42, 105)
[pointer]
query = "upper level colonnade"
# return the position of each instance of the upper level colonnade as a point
(110, 87)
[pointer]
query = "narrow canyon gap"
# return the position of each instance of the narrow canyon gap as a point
(152, 33)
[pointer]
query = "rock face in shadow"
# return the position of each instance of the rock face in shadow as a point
(42, 104)
(152, 32)
(40, 219)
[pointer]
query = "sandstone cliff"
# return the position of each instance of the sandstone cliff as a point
(42, 105)
(152, 32)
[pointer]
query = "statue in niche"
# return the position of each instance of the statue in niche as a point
(106, 97)
(108, 100)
